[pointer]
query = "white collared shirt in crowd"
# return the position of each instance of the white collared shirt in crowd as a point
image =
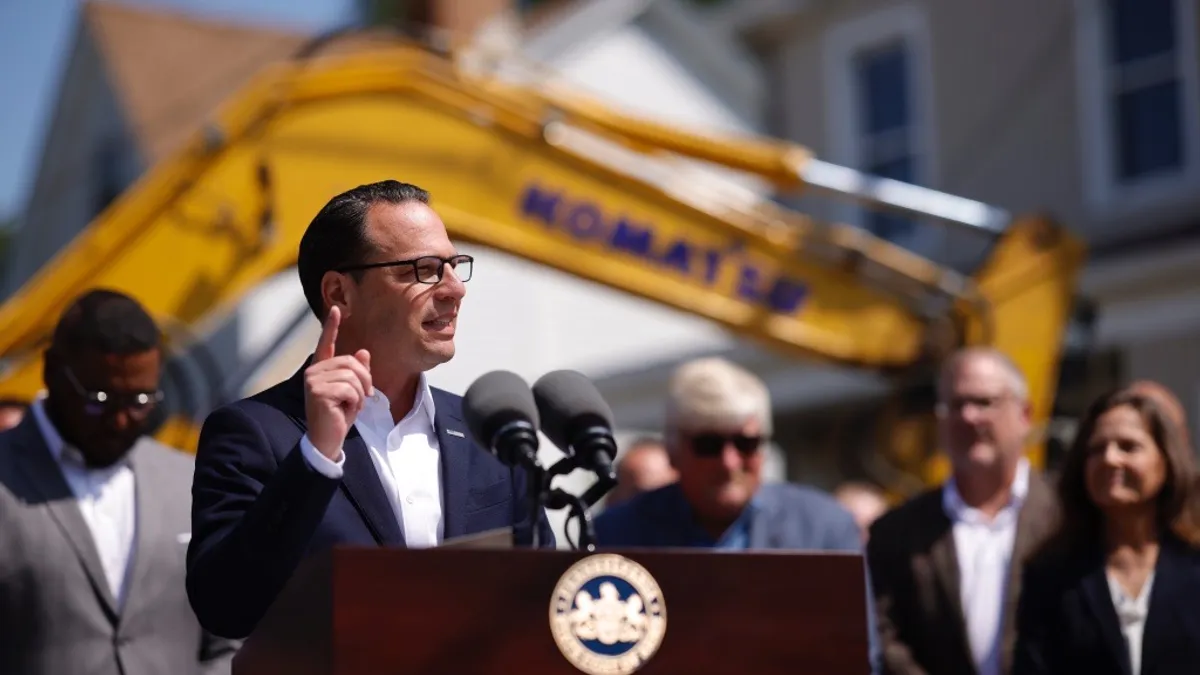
(106, 497)
(1131, 614)
(984, 549)
(406, 457)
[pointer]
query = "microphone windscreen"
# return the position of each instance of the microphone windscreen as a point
(495, 399)
(567, 400)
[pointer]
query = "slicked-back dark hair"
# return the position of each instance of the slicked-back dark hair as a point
(106, 321)
(337, 236)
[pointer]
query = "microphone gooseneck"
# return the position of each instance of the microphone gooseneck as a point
(577, 419)
(504, 415)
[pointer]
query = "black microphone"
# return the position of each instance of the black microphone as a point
(578, 420)
(502, 416)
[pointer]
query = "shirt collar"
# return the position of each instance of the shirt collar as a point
(59, 449)
(957, 509)
(379, 406)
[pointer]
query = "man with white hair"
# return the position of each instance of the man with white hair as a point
(946, 565)
(717, 426)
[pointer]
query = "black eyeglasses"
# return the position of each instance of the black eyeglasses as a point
(427, 269)
(100, 402)
(712, 444)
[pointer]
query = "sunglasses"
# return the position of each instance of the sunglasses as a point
(712, 444)
(98, 403)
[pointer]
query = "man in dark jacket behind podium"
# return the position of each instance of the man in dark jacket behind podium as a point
(356, 447)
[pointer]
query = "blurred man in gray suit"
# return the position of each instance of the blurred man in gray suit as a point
(94, 515)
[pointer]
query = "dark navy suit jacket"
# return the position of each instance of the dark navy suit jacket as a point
(259, 508)
(1066, 621)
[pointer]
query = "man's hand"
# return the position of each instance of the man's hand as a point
(335, 388)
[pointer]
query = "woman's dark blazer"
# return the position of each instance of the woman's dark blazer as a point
(1067, 624)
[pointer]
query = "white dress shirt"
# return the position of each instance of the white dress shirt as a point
(106, 497)
(1132, 612)
(406, 457)
(984, 548)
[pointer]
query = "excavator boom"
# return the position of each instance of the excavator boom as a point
(553, 178)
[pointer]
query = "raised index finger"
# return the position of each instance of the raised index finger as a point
(329, 332)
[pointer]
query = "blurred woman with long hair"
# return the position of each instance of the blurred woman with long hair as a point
(1118, 590)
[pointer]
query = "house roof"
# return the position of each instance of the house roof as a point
(711, 52)
(170, 70)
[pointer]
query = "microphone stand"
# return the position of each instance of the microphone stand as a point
(539, 482)
(560, 499)
(603, 485)
(515, 443)
(578, 505)
(521, 446)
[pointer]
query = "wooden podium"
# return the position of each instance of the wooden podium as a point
(464, 611)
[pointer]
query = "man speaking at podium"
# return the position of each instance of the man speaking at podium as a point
(356, 448)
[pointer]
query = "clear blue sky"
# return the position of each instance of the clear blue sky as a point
(34, 39)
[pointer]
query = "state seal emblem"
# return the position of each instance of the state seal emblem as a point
(607, 615)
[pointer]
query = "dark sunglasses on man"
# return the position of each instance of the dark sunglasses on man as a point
(712, 444)
(97, 403)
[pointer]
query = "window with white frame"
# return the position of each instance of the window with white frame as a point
(878, 73)
(1146, 88)
(1137, 70)
(885, 126)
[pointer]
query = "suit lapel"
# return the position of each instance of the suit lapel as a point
(943, 559)
(1032, 527)
(455, 459)
(1167, 620)
(762, 535)
(766, 521)
(1098, 599)
(361, 482)
(47, 480)
(148, 532)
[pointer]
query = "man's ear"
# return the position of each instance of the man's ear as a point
(338, 289)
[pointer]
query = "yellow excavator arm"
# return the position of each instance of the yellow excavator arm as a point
(555, 178)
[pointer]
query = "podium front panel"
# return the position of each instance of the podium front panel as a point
(484, 612)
